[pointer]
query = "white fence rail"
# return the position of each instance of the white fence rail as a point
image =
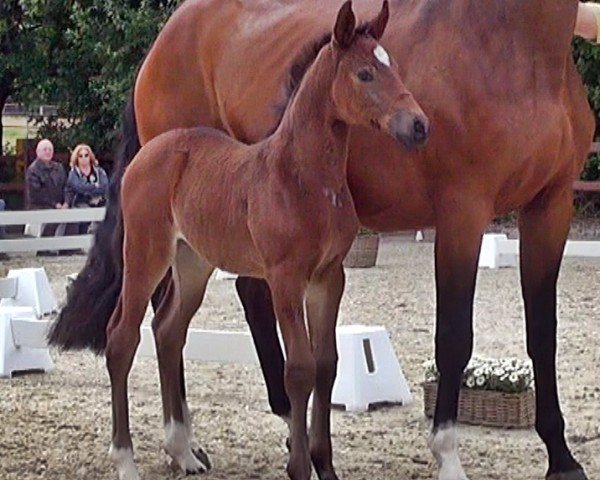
(36, 217)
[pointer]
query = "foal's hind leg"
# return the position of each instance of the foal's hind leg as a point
(141, 275)
(322, 303)
(543, 226)
(183, 297)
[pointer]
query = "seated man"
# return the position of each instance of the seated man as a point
(45, 180)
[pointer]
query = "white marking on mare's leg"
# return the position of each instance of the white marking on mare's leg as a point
(123, 460)
(178, 446)
(444, 446)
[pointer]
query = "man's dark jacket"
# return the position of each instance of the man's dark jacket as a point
(45, 184)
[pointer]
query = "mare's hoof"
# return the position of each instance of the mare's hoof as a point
(202, 457)
(572, 475)
(327, 476)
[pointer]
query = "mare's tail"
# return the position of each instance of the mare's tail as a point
(94, 294)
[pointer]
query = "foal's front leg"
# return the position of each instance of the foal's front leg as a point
(299, 377)
(322, 303)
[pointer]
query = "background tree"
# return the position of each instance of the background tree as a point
(587, 58)
(80, 55)
(30, 35)
(104, 44)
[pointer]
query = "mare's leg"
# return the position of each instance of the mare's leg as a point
(544, 226)
(182, 298)
(256, 299)
(299, 375)
(141, 275)
(460, 225)
(322, 305)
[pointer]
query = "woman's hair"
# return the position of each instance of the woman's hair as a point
(75, 155)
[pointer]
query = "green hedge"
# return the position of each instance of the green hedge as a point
(587, 59)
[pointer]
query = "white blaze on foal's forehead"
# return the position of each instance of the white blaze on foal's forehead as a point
(382, 55)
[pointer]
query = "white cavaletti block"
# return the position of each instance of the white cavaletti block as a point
(32, 290)
(23, 341)
(368, 370)
(498, 252)
(224, 275)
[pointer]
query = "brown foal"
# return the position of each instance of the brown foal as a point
(279, 210)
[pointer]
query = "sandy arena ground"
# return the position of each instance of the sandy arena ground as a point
(57, 426)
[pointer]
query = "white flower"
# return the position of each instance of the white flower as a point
(480, 381)
(513, 377)
(470, 382)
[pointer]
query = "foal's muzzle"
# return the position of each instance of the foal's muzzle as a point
(410, 129)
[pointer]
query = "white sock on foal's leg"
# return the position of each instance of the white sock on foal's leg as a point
(178, 445)
(444, 446)
(123, 460)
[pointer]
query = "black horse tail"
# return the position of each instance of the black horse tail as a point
(93, 296)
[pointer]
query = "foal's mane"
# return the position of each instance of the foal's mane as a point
(303, 62)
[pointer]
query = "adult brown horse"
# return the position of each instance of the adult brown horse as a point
(510, 130)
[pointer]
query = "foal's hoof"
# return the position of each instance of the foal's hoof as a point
(192, 462)
(572, 475)
(201, 456)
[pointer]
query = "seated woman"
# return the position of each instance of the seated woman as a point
(87, 183)
(588, 21)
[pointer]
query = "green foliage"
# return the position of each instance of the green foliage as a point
(80, 55)
(30, 33)
(105, 42)
(587, 59)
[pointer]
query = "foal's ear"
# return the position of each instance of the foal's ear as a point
(343, 32)
(376, 27)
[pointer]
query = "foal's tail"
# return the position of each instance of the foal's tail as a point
(94, 294)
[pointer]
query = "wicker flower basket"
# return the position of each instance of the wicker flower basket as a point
(487, 407)
(363, 252)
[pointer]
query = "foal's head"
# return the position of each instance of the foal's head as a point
(367, 89)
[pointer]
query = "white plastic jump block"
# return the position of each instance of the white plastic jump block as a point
(224, 275)
(498, 252)
(23, 341)
(207, 346)
(368, 370)
(32, 290)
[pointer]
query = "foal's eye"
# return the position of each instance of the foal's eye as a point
(365, 75)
